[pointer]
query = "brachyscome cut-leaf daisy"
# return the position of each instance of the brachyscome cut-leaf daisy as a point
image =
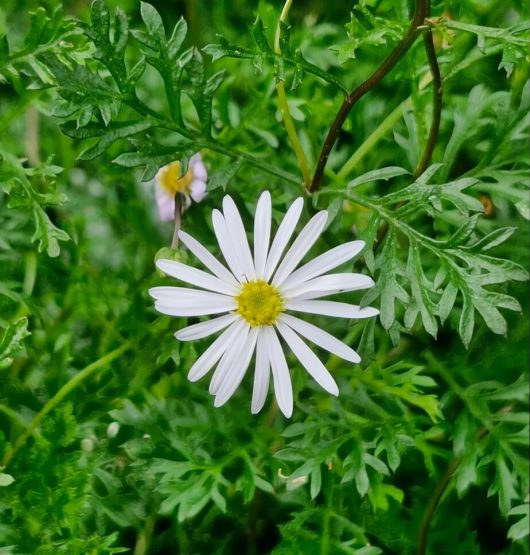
(254, 296)
(169, 182)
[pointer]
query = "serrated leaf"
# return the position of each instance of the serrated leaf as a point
(464, 231)
(11, 341)
(222, 176)
(493, 239)
(153, 22)
(521, 529)
(503, 485)
(117, 131)
(376, 175)
(447, 301)
(420, 290)
(467, 320)
(258, 32)
(176, 40)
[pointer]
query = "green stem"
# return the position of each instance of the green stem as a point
(145, 536)
(434, 501)
(67, 388)
(284, 107)
(386, 125)
(13, 415)
(330, 490)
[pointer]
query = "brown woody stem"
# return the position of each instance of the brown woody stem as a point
(420, 13)
(436, 103)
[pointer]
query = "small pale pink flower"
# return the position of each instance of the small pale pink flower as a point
(169, 182)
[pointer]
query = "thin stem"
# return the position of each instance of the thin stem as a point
(433, 504)
(284, 107)
(178, 219)
(145, 536)
(420, 13)
(436, 103)
(67, 388)
(329, 491)
(443, 484)
(385, 126)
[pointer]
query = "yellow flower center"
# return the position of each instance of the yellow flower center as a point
(173, 182)
(259, 303)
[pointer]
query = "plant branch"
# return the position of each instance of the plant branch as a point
(420, 13)
(284, 107)
(67, 388)
(436, 103)
(433, 503)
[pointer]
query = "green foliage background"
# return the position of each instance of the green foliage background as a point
(106, 446)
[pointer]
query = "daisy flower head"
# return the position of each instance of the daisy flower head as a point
(253, 297)
(169, 182)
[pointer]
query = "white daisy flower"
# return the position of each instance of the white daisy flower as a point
(257, 291)
(169, 182)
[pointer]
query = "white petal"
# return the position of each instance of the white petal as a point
(198, 168)
(179, 301)
(305, 240)
(204, 329)
(283, 235)
(234, 377)
(214, 352)
(207, 258)
(325, 262)
(165, 203)
(196, 277)
(321, 338)
(230, 358)
(332, 308)
(195, 310)
(308, 359)
(261, 376)
(227, 245)
(236, 230)
(187, 201)
(197, 190)
(184, 296)
(283, 388)
(326, 285)
(262, 232)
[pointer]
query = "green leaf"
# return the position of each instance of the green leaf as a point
(222, 176)
(503, 485)
(521, 529)
(420, 290)
(153, 22)
(387, 285)
(11, 341)
(366, 29)
(447, 301)
(116, 131)
(467, 320)
(6, 480)
(376, 175)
